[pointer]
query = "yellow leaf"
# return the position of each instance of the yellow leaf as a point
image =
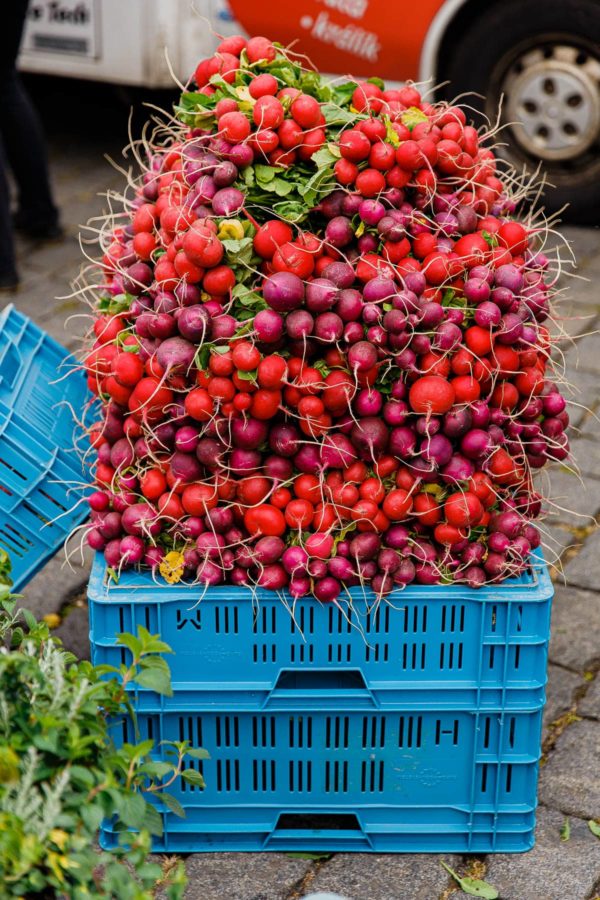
(436, 489)
(244, 94)
(57, 864)
(232, 229)
(9, 765)
(52, 620)
(413, 116)
(59, 837)
(172, 567)
(391, 135)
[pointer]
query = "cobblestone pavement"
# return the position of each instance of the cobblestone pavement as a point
(569, 782)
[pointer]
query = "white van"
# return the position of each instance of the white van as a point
(122, 41)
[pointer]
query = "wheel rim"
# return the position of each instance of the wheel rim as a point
(552, 100)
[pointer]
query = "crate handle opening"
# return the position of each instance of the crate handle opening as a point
(317, 822)
(321, 680)
(10, 364)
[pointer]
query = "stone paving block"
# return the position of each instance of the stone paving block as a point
(584, 569)
(590, 704)
(581, 390)
(555, 536)
(574, 638)
(57, 582)
(243, 876)
(553, 870)
(74, 633)
(584, 242)
(385, 877)
(589, 424)
(584, 355)
(586, 453)
(559, 692)
(573, 500)
(34, 297)
(570, 779)
(556, 539)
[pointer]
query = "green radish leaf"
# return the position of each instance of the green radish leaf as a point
(281, 188)
(412, 117)
(239, 252)
(248, 176)
(282, 69)
(490, 239)
(335, 115)
(310, 82)
(202, 356)
(191, 100)
(324, 157)
(264, 174)
(342, 93)
(565, 831)
(247, 376)
(290, 210)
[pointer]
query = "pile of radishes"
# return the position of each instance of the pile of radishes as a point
(319, 344)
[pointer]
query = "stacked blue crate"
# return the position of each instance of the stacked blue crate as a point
(409, 725)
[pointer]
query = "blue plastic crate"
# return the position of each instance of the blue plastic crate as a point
(417, 732)
(338, 778)
(425, 647)
(41, 471)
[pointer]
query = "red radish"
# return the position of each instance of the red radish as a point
(431, 395)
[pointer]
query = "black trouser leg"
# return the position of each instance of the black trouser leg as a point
(26, 153)
(7, 250)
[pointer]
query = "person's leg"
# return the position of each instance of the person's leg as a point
(21, 131)
(26, 153)
(8, 269)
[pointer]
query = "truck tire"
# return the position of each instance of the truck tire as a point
(542, 59)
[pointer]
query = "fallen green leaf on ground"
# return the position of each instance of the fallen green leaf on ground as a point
(473, 886)
(565, 831)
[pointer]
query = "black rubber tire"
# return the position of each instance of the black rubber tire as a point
(472, 54)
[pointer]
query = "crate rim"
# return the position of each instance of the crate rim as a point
(137, 586)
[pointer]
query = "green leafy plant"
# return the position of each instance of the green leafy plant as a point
(61, 772)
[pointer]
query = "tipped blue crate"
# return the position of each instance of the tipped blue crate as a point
(417, 732)
(41, 470)
(424, 646)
